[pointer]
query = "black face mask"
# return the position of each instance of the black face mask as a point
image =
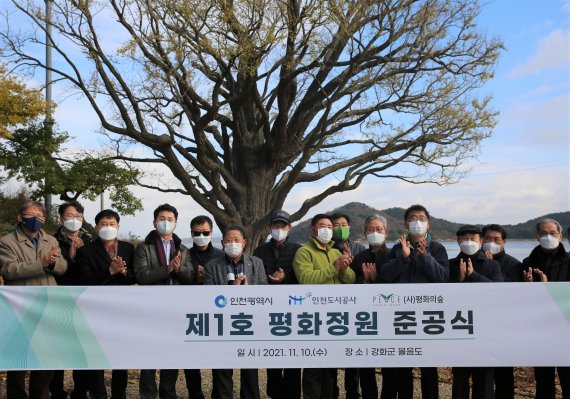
(33, 224)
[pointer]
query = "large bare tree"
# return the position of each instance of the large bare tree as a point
(243, 100)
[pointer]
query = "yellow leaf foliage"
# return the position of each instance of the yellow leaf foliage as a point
(18, 104)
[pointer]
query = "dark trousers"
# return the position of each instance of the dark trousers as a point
(318, 383)
(223, 387)
(56, 385)
(38, 388)
(88, 381)
(284, 383)
(167, 385)
(368, 384)
(351, 383)
(397, 383)
(194, 383)
(483, 386)
(504, 382)
(544, 377)
(429, 382)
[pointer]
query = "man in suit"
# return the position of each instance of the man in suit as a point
(162, 259)
(235, 268)
(30, 256)
(106, 261)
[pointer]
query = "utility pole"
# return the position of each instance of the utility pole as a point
(48, 123)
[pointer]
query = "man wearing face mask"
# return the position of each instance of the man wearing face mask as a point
(342, 242)
(70, 237)
(472, 266)
(494, 240)
(416, 258)
(106, 261)
(549, 261)
(30, 256)
(277, 255)
(201, 252)
(341, 235)
(366, 265)
(318, 262)
(235, 268)
(162, 260)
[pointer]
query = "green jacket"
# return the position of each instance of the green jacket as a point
(314, 265)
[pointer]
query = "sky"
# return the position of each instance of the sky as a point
(522, 171)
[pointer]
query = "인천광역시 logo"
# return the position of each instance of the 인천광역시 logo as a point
(220, 301)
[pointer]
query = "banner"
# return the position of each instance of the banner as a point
(369, 325)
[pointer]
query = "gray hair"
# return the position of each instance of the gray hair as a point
(375, 216)
(32, 204)
(547, 220)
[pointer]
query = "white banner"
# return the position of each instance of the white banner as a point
(169, 327)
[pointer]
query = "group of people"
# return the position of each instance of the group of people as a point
(29, 256)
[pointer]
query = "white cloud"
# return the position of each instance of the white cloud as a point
(553, 53)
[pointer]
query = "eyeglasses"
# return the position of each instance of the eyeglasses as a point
(40, 216)
(201, 233)
(415, 219)
(78, 216)
(377, 230)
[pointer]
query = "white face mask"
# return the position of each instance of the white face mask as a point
(418, 228)
(324, 235)
(72, 224)
(469, 247)
(108, 233)
(491, 247)
(165, 227)
(233, 249)
(376, 238)
(278, 234)
(548, 242)
(202, 241)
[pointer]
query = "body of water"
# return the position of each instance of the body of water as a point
(519, 249)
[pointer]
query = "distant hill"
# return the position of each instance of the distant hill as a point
(440, 229)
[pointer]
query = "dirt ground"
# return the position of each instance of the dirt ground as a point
(524, 383)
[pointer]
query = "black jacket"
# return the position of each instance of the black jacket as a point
(201, 258)
(484, 270)
(511, 267)
(431, 267)
(554, 264)
(274, 257)
(71, 276)
(367, 256)
(93, 263)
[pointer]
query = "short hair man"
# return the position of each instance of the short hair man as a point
(341, 234)
(202, 251)
(366, 265)
(70, 236)
(30, 256)
(277, 255)
(106, 261)
(416, 258)
(549, 261)
(162, 259)
(317, 262)
(472, 266)
(494, 241)
(235, 268)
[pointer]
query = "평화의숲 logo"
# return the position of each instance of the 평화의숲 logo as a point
(220, 301)
(386, 300)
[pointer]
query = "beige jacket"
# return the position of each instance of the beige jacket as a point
(21, 265)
